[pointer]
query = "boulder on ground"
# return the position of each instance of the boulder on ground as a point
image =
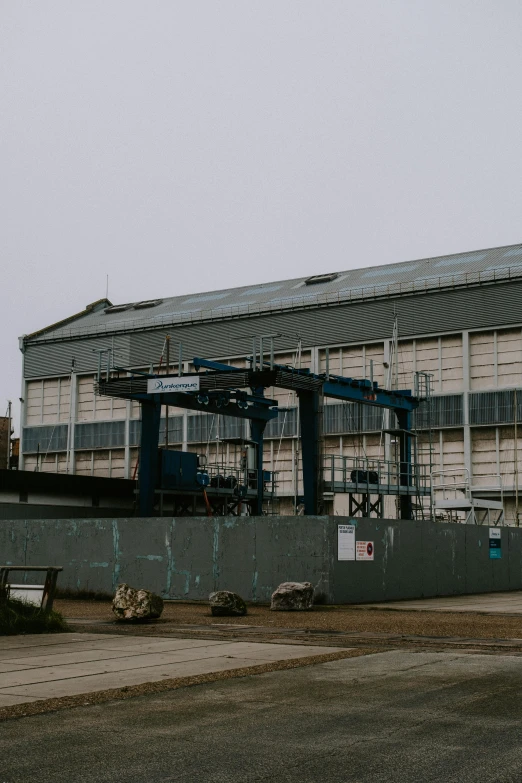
(224, 603)
(131, 604)
(293, 597)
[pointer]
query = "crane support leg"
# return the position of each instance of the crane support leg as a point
(309, 421)
(406, 479)
(256, 430)
(148, 473)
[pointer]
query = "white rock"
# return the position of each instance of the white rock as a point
(131, 604)
(225, 603)
(293, 597)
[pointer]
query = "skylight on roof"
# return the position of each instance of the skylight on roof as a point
(147, 303)
(118, 308)
(507, 264)
(205, 298)
(460, 259)
(389, 270)
(266, 289)
(515, 251)
(321, 278)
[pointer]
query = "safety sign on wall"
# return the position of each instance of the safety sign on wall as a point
(346, 542)
(495, 543)
(364, 550)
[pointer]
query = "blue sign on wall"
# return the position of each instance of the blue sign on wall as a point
(495, 543)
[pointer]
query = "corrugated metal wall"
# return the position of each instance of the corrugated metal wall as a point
(442, 311)
(49, 359)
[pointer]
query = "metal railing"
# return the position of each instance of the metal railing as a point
(455, 483)
(369, 476)
(450, 484)
(454, 497)
(243, 482)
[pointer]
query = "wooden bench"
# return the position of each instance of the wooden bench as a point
(39, 595)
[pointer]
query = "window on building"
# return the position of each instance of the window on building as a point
(44, 439)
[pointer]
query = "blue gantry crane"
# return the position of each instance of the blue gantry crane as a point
(240, 392)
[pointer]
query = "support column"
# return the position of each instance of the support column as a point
(184, 431)
(23, 409)
(148, 470)
(404, 419)
(314, 360)
(257, 429)
(184, 422)
(468, 465)
(309, 421)
(73, 413)
(386, 413)
(127, 465)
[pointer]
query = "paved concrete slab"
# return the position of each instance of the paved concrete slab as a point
(63, 656)
(101, 682)
(35, 643)
(45, 640)
(393, 717)
(32, 669)
(36, 674)
(489, 603)
(12, 666)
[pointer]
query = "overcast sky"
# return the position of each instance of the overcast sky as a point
(183, 146)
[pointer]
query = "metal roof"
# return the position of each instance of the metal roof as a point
(424, 275)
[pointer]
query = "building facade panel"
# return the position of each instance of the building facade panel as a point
(469, 340)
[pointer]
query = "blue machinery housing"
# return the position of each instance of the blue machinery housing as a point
(222, 389)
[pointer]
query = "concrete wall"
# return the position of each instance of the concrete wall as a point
(4, 441)
(190, 557)
(422, 559)
(178, 558)
(41, 511)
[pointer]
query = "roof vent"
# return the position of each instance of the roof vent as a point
(321, 278)
(147, 303)
(118, 308)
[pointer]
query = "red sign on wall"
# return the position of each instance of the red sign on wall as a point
(364, 550)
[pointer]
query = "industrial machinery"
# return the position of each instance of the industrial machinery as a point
(181, 470)
(190, 485)
(222, 388)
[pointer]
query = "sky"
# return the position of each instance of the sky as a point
(181, 146)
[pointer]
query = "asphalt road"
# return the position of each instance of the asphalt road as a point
(393, 716)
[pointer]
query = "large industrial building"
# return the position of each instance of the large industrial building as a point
(456, 319)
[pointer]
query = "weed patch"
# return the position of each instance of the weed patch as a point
(18, 617)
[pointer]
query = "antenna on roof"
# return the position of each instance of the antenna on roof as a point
(107, 288)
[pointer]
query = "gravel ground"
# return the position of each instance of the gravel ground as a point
(178, 617)
(321, 618)
(394, 717)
